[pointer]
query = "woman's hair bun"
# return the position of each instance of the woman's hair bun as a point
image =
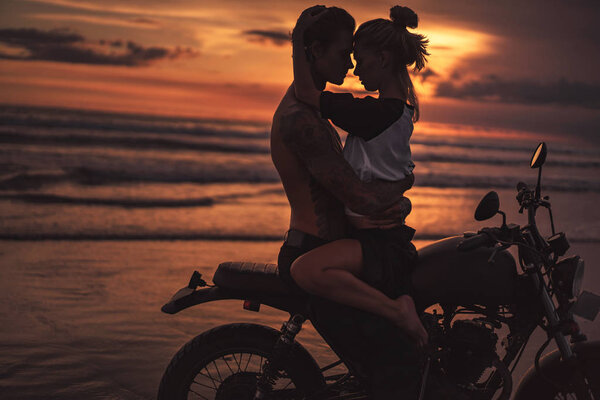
(404, 17)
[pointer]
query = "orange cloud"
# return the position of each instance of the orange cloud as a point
(63, 45)
(139, 23)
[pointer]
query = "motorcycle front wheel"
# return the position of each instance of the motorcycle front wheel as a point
(224, 363)
(559, 381)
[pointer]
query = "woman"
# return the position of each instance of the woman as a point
(377, 147)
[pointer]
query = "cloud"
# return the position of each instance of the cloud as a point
(278, 38)
(426, 74)
(113, 43)
(63, 45)
(206, 12)
(494, 89)
(138, 23)
(25, 37)
(145, 21)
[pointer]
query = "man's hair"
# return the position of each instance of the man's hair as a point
(324, 30)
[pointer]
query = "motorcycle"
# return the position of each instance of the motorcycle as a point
(478, 293)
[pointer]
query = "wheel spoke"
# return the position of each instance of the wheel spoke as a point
(227, 363)
(209, 376)
(249, 358)
(198, 394)
(237, 362)
(218, 372)
(241, 362)
(286, 386)
(202, 384)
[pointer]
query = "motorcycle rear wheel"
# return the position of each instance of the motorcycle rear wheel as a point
(225, 362)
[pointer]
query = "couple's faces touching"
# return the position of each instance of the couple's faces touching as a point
(332, 63)
(369, 67)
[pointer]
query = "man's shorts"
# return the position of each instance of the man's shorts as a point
(296, 243)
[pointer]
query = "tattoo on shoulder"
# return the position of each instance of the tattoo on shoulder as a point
(306, 136)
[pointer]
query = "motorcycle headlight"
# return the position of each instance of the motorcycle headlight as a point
(567, 276)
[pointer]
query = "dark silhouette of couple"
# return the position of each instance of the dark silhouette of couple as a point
(348, 248)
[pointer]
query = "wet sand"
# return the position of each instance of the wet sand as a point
(82, 319)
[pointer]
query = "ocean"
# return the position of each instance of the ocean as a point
(103, 216)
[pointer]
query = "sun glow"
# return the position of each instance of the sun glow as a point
(450, 45)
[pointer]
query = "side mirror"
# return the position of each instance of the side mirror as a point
(539, 157)
(488, 206)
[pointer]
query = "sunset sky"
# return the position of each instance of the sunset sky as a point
(500, 67)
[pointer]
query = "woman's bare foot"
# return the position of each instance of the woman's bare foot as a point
(408, 320)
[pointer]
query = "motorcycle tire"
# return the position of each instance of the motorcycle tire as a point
(240, 350)
(533, 386)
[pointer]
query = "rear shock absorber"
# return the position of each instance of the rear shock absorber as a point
(274, 363)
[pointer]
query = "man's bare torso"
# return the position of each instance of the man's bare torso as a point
(314, 209)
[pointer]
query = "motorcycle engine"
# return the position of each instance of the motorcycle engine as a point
(470, 349)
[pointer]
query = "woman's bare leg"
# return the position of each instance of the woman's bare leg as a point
(331, 271)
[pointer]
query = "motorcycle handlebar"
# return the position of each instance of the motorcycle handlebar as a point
(522, 186)
(522, 190)
(473, 242)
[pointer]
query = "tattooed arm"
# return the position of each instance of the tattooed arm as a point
(314, 145)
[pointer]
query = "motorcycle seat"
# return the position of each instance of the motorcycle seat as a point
(243, 275)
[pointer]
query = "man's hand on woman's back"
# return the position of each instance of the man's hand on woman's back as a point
(394, 215)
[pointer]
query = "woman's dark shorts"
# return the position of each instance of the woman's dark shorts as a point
(389, 258)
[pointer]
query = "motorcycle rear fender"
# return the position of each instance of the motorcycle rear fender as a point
(186, 297)
(550, 364)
